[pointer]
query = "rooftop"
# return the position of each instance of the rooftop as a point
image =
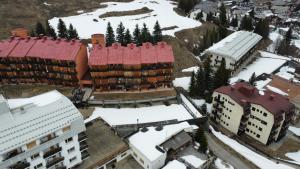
(287, 86)
(25, 120)
(243, 92)
(40, 47)
(131, 55)
(146, 142)
(235, 45)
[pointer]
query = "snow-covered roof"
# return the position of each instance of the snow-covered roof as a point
(235, 45)
(146, 142)
(175, 165)
(194, 161)
(26, 120)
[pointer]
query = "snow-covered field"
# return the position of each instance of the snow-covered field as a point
(115, 116)
(294, 155)
(162, 12)
(257, 159)
(183, 82)
(295, 130)
(268, 63)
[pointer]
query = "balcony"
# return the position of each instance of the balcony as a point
(83, 145)
(46, 139)
(54, 161)
(52, 151)
(13, 154)
(82, 137)
(84, 155)
(20, 165)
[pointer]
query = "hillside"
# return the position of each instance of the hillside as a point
(20, 13)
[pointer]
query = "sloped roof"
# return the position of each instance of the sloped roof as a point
(7, 46)
(271, 101)
(22, 48)
(98, 56)
(236, 45)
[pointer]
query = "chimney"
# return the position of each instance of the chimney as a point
(232, 88)
(72, 41)
(147, 45)
(99, 46)
(131, 45)
(272, 96)
(162, 44)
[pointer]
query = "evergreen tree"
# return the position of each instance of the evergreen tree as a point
(221, 76)
(262, 28)
(208, 75)
(39, 29)
(234, 22)
(252, 13)
(145, 34)
(222, 32)
(252, 79)
(49, 30)
(137, 35)
(72, 33)
(186, 5)
(120, 34)
(157, 33)
(200, 138)
(192, 87)
(246, 23)
(127, 37)
(204, 108)
(62, 29)
(209, 17)
(222, 16)
(200, 82)
(288, 36)
(110, 36)
(283, 47)
(199, 16)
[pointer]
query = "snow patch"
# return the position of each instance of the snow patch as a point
(183, 82)
(295, 130)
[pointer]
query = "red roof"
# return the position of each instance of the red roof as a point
(98, 56)
(6, 46)
(164, 53)
(67, 50)
(132, 55)
(22, 48)
(115, 54)
(271, 101)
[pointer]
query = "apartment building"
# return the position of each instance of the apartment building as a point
(235, 49)
(41, 132)
(131, 68)
(262, 115)
(42, 60)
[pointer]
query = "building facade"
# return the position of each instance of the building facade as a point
(42, 60)
(41, 132)
(241, 108)
(131, 68)
(235, 49)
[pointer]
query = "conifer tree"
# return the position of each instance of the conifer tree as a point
(208, 75)
(222, 32)
(209, 17)
(204, 108)
(192, 87)
(72, 33)
(234, 22)
(222, 16)
(288, 36)
(199, 16)
(49, 30)
(110, 36)
(252, 79)
(262, 28)
(127, 37)
(137, 35)
(39, 29)
(157, 33)
(246, 23)
(200, 137)
(62, 29)
(221, 76)
(200, 82)
(120, 34)
(145, 34)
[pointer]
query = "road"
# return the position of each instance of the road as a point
(225, 155)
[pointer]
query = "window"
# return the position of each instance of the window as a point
(134, 154)
(249, 123)
(124, 154)
(247, 129)
(263, 122)
(34, 156)
(257, 135)
(72, 159)
(142, 161)
(38, 166)
(253, 108)
(228, 117)
(230, 111)
(260, 129)
(227, 124)
(265, 114)
(69, 140)
(260, 111)
(71, 150)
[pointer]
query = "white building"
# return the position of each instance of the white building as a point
(235, 49)
(44, 131)
(145, 145)
(241, 108)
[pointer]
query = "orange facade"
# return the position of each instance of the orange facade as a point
(20, 32)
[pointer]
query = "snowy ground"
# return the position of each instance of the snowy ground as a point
(162, 12)
(287, 73)
(183, 82)
(295, 156)
(194, 161)
(220, 164)
(115, 116)
(257, 159)
(191, 69)
(268, 63)
(295, 130)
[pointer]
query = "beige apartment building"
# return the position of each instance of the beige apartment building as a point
(241, 108)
